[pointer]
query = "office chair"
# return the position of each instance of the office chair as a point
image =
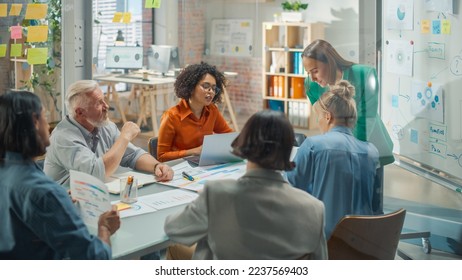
(152, 146)
(299, 138)
(360, 237)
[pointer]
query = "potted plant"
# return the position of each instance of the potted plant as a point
(292, 10)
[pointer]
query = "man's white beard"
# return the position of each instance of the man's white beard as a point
(99, 123)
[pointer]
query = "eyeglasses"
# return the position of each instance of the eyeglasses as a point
(209, 87)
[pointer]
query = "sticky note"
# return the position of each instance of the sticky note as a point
(2, 50)
(127, 17)
(445, 26)
(15, 9)
(122, 206)
(414, 136)
(395, 101)
(117, 17)
(36, 11)
(436, 27)
(37, 56)
(16, 50)
(25, 66)
(16, 32)
(152, 4)
(3, 10)
(425, 26)
(37, 33)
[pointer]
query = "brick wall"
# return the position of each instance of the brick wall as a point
(146, 25)
(244, 89)
(191, 33)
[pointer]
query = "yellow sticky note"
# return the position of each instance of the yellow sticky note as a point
(122, 206)
(2, 50)
(445, 26)
(117, 17)
(425, 26)
(16, 32)
(15, 9)
(3, 10)
(37, 56)
(152, 4)
(245, 24)
(16, 50)
(127, 17)
(36, 11)
(37, 33)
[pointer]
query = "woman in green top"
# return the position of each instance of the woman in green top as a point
(325, 67)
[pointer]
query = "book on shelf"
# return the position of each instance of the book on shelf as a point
(298, 113)
(298, 63)
(270, 86)
(296, 87)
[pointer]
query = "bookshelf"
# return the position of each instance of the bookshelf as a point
(283, 72)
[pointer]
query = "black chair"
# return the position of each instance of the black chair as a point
(299, 138)
(152, 146)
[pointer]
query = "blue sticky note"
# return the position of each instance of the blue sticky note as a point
(414, 136)
(436, 27)
(395, 101)
(25, 66)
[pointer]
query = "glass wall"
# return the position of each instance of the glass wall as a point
(30, 50)
(121, 23)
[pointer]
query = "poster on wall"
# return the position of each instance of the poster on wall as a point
(399, 57)
(444, 6)
(231, 37)
(400, 15)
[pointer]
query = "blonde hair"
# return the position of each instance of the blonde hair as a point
(75, 95)
(339, 102)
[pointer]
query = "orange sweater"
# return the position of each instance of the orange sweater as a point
(180, 130)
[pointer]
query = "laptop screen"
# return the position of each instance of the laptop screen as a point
(216, 149)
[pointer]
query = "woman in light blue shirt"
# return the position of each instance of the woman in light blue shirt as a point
(335, 167)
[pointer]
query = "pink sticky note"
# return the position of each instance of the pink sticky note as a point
(16, 32)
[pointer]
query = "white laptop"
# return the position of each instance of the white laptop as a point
(216, 149)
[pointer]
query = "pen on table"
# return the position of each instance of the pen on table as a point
(129, 184)
(187, 176)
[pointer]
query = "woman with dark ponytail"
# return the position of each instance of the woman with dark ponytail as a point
(336, 167)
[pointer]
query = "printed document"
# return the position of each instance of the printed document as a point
(92, 196)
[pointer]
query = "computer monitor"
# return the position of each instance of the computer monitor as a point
(124, 57)
(162, 58)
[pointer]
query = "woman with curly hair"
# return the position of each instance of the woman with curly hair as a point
(183, 127)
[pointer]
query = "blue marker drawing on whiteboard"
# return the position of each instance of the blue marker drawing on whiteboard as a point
(414, 136)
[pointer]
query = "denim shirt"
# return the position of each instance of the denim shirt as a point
(339, 170)
(38, 219)
(369, 126)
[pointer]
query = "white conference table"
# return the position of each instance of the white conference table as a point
(142, 234)
(149, 89)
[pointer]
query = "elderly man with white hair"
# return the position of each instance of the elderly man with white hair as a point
(87, 141)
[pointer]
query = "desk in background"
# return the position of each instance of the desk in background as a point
(149, 90)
